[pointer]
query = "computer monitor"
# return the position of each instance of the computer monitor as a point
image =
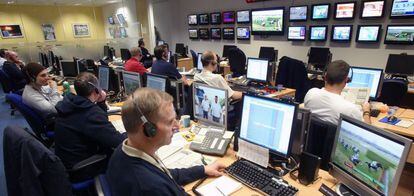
(367, 159)
(80, 65)
(157, 82)
(366, 77)
(69, 68)
(210, 104)
(180, 49)
(257, 69)
(226, 50)
(319, 57)
(267, 53)
(103, 76)
(125, 54)
(199, 63)
(268, 122)
(132, 81)
(400, 64)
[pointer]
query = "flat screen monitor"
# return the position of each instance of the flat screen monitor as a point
(320, 11)
(111, 20)
(229, 17)
(297, 33)
(402, 9)
(69, 68)
(368, 159)
(366, 77)
(192, 19)
(368, 33)
(226, 50)
(180, 48)
(243, 16)
(203, 33)
(399, 34)
(125, 54)
(215, 18)
(203, 19)
(268, 21)
(160, 43)
(400, 64)
(268, 53)
(215, 33)
(243, 33)
(199, 63)
(210, 104)
(107, 51)
(158, 82)
(341, 33)
(103, 76)
(132, 81)
(193, 33)
(228, 33)
(257, 69)
(80, 65)
(298, 13)
(372, 9)
(319, 57)
(268, 122)
(318, 33)
(345, 10)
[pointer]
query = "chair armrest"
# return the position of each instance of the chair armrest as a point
(95, 159)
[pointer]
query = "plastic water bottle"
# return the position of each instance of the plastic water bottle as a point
(66, 88)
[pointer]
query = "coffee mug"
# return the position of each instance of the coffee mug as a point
(185, 120)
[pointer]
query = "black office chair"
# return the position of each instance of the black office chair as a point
(194, 56)
(237, 61)
(320, 140)
(393, 91)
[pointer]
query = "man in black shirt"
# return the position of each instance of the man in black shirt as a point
(13, 68)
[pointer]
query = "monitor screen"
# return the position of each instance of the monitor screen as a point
(345, 10)
(399, 34)
(103, 75)
(297, 33)
(318, 33)
(366, 77)
(268, 123)
(203, 33)
(229, 17)
(111, 20)
(210, 104)
(372, 9)
(132, 81)
(193, 33)
(268, 21)
(226, 50)
(341, 33)
(402, 9)
(180, 48)
(368, 33)
(319, 57)
(370, 158)
(69, 68)
(243, 16)
(298, 13)
(228, 33)
(320, 11)
(400, 64)
(192, 19)
(268, 53)
(215, 33)
(257, 69)
(243, 33)
(199, 63)
(215, 18)
(203, 19)
(156, 82)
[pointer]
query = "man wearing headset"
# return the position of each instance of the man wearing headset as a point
(327, 103)
(82, 128)
(135, 169)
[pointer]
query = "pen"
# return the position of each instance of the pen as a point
(220, 191)
(203, 160)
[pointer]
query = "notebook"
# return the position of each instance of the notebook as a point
(221, 186)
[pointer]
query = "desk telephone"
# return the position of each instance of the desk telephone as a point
(214, 142)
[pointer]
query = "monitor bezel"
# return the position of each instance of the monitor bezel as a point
(237, 17)
(228, 38)
(282, 32)
(347, 18)
(372, 17)
(364, 41)
(351, 181)
(398, 17)
(132, 74)
(290, 39)
(318, 40)
(199, 34)
(166, 78)
(321, 4)
(299, 20)
(398, 42)
(268, 69)
(400, 74)
(342, 41)
(211, 34)
(234, 18)
(379, 82)
(241, 38)
(73, 63)
(188, 19)
(189, 35)
(199, 19)
(99, 78)
(215, 23)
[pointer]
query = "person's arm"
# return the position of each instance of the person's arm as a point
(237, 95)
(34, 99)
(188, 175)
(54, 95)
(366, 110)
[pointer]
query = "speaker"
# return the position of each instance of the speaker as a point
(308, 168)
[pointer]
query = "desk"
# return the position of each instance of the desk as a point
(185, 62)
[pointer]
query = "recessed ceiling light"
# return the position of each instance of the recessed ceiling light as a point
(10, 2)
(77, 4)
(111, 1)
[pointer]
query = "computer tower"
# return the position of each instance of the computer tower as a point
(299, 132)
(177, 91)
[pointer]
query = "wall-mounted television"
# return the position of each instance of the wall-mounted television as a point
(399, 34)
(243, 33)
(215, 18)
(243, 16)
(203, 33)
(203, 19)
(341, 33)
(192, 19)
(193, 33)
(111, 20)
(402, 9)
(345, 10)
(368, 33)
(229, 17)
(228, 33)
(372, 9)
(215, 33)
(296, 33)
(318, 33)
(320, 11)
(298, 13)
(267, 21)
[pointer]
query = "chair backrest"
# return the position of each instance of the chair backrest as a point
(393, 90)
(237, 61)
(102, 186)
(320, 140)
(194, 56)
(5, 82)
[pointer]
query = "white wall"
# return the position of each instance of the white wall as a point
(171, 19)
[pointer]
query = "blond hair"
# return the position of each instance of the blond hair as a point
(135, 51)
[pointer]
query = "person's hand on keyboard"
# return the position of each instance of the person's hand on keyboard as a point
(214, 170)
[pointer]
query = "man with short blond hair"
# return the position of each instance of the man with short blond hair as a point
(134, 63)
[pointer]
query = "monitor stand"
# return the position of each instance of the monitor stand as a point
(343, 190)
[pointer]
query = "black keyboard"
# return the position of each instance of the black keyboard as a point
(375, 112)
(256, 177)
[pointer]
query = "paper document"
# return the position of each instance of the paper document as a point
(119, 126)
(114, 109)
(405, 123)
(177, 143)
(253, 153)
(186, 158)
(220, 186)
(356, 95)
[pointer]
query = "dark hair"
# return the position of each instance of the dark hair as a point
(337, 72)
(207, 58)
(141, 42)
(3, 53)
(31, 71)
(158, 51)
(83, 84)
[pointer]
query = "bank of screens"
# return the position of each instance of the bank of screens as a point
(193, 33)
(267, 21)
(192, 19)
(203, 33)
(243, 33)
(341, 33)
(229, 17)
(399, 34)
(402, 9)
(243, 16)
(215, 33)
(368, 33)
(297, 33)
(318, 33)
(372, 9)
(320, 11)
(203, 19)
(215, 18)
(228, 33)
(345, 10)
(298, 13)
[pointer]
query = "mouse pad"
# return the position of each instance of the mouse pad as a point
(393, 122)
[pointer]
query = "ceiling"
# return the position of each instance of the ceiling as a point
(60, 2)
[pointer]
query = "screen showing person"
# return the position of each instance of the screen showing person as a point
(298, 13)
(366, 77)
(228, 33)
(192, 19)
(341, 33)
(267, 20)
(368, 33)
(229, 17)
(369, 155)
(257, 69)
(203, 33)
(400, 34)
(345, 10)
(210, 104)
(193, 33)
(297, 33)
(267, 122)
(199, 63)
(215, 18)
(215, 33)
(372, 9)
(243, 33)
(320, 12)
(132, 81)
(203, 19)
(402, 9)
(243, 16)
(318, 33)
(103, 74)
(156, 82)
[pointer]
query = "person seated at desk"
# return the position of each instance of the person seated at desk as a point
(134, 63)
(162, 67)
(13, 67)
(135, 169)
(40, 91)
(82, 128)
(209, 61)
(327, 103)
(145, 54)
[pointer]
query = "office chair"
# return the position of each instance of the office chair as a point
(237, 61)
(194, 56)
(393, 91)
(102, 186)
(320, 140)
(7, 85)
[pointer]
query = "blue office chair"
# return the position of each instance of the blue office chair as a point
(237, 61)
(102, 186)
(7, 85)
(194, 56)
(393, 91)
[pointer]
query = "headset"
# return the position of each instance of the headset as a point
(97, 89)
(150, 130)
(31, 78)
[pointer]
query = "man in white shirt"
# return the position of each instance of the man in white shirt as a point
(2, 57)
(205, 104)
(327, 103)
(216, 110)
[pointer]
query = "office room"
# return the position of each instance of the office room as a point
(219, 97)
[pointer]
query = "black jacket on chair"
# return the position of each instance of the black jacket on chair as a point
(15, 74)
